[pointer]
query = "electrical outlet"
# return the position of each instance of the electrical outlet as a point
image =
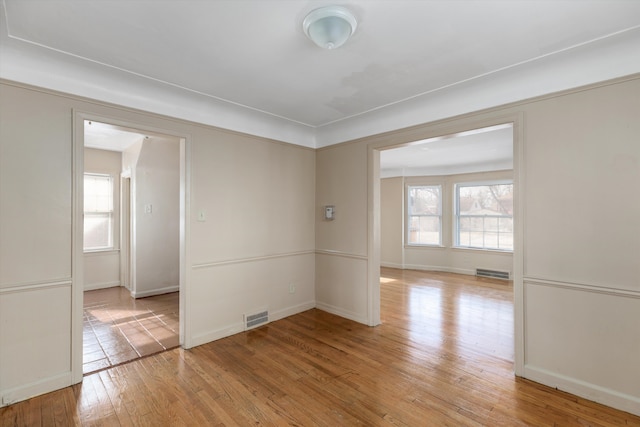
(292, 288)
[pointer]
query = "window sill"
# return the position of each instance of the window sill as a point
(492, 251)
(424, 247)
(98, 252)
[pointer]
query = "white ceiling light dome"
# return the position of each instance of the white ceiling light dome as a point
(329, 27)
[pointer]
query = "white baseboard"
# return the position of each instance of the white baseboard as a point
(612, 398)
(152, 292)
(36, 388)
(236, 328)
(342, 313)
(290, 311)
(463, 271)
(421, 267)
(217, 334)
(391, 265)
(101, 285)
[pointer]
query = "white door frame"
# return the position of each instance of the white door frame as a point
(125, 229)
(77, 288)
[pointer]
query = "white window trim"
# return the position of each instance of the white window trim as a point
(455, 222)
(407, 214)
(112, 224)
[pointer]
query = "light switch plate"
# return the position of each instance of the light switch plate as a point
(329, 212)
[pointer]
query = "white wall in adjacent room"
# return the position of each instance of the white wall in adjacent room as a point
(156, 189)
(394, 252)
(102, 268)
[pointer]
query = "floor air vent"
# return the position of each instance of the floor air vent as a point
(494, 274)
(254, 320)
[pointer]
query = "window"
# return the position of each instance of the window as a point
(484, 216)
(424, 210)
(98, 212)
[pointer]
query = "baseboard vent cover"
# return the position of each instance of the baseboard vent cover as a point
(256, 319)
(494, 274)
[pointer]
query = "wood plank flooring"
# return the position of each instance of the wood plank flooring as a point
(119, 329)
(442, 357)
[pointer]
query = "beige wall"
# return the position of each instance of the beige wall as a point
(393, 253)
(391, 222)
(35, 243)
(578, 294)
(341, 244)
(581, 265)
(257, 239)
(102, 268)
(155, 183)
(258, 200)
(576, 284)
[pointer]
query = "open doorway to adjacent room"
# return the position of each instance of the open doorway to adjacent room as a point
(447, 241)
(131, 244)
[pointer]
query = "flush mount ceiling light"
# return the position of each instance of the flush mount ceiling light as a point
(329, 27)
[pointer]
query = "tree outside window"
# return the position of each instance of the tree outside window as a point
(424, 209)
(484, 216)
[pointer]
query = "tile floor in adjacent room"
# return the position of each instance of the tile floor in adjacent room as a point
(118, 328)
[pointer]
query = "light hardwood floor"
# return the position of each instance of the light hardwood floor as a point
(442, 357)
(118, 329)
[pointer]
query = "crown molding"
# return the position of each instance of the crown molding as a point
(604, 59)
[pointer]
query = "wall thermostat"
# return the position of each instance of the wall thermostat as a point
(329, 212)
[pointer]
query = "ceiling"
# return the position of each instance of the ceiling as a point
(480, 150)
(247, 65)
(104, 136)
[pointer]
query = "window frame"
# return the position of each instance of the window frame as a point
(456, 214)
(109, 214)
(408, 215)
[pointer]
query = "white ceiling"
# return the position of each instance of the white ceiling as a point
(481, 150)
(247, 65)
(104, 136)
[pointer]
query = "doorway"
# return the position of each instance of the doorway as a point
(132, 285)
(448, 252)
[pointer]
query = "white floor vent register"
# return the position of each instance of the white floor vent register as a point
(495, 274)
(257, 319)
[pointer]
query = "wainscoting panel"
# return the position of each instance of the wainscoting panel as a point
(101, 270)
(341, 284)
(222, 292)
(584, 340)
(35, 326)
